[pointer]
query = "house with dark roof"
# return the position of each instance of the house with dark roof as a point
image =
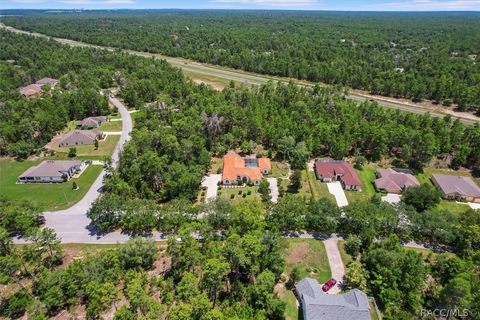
(245, 169)
(93, 122)
(392, 181)
(80, 137)
(52, 171)
(457, 187)
(337, 170)
(318, 305)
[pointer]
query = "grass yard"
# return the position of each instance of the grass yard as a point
(291, 310)
(309, 256)
(318, 188)
(279, 169)
(216, 165)
(111, 126)
(227, 193)
(105, 148)
(346, 258)
(48, 197)
(366, 175)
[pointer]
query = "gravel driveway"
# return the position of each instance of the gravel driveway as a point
(336, 189)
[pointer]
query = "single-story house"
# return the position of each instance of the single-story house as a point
(457, 187)
(50, 81)
(318, 305)
(93, 122)
(80, 137)
(31, 91)
(392, 181)
(337, 170)
(247, 169)
(52, 171)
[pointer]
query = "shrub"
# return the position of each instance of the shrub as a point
(249, 192)
(232, 196)
(244, 195)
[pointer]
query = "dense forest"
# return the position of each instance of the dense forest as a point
(232, 272)
(419, 56)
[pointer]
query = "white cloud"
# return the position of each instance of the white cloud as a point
(424, 5)
(270, 3)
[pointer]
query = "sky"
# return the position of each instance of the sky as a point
(365, 5)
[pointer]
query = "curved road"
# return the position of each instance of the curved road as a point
(72, 224)
(228, 74)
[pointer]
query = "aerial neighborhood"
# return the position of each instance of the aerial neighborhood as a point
(239, 164)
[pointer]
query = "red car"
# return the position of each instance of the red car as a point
(329, 285)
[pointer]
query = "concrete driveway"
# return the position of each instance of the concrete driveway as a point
(392, 198)
(72, 224)
(211, 181)
(336, 263)
(273, 189)
(336, 189)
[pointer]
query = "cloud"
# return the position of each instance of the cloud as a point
(269, 3)
(94, 2)
(424, 5)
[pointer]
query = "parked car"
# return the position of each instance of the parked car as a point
(329, 285)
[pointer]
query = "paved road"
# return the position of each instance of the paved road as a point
(72, 224)
(192, 67)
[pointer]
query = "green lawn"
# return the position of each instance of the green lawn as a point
(309, 256)
(366, 175)
(105, 148)
(226, 193)
(318, 189)
(291, 310)
(45, 196)
(279, 169)
(346, 258)
(111, 126)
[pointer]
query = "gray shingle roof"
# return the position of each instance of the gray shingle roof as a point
(319, 305)
(393, 180)
(51, 168)
(80, 137)
(464, 186)
(47, 80)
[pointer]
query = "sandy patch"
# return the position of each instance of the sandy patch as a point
(299, 253)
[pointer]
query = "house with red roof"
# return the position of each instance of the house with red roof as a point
(244, 169)
(337, 170)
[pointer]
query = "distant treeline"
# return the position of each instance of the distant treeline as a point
(418, 56)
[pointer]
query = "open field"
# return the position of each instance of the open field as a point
(46, 196)
(105, 148)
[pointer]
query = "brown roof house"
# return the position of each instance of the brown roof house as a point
(31, 91)
(318, 305)
(337, 170)
(392, 181)
(457, 187)
(80, 137)
(52, 171)
(93, 122)
(247, 169)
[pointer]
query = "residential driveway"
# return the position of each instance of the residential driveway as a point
(474, 205)
(336, 263)
(273, 189)
(391, 198)
(72, 224)
(113, 133)
(336, 189)
(210, 181)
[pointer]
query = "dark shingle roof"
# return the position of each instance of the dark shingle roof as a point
(318, 305)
